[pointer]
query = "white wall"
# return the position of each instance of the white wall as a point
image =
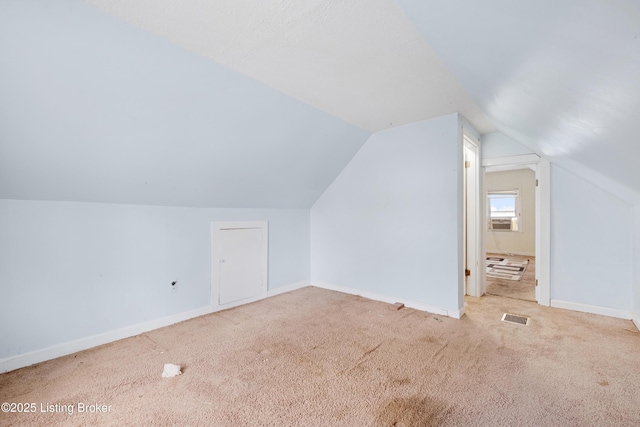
(72, 270)
(591, 244)
(390, 224)
(523, 241)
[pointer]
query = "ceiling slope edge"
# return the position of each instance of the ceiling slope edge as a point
(603, 182)
(361, 61)
(97, 110)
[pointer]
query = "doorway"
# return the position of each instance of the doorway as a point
(541, 220)
(239, 262)
(510, 231)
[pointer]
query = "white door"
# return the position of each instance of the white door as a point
(241, 263)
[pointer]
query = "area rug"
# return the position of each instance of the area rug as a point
(505, 268)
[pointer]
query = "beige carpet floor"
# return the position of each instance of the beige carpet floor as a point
(524, 289)
(315, 357)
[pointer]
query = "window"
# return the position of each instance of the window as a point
(503, 210)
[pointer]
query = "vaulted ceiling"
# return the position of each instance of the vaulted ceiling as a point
(233, 103)
(360, 60)
(560, 76)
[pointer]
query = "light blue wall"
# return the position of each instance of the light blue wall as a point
(497, 144)
(389, 223)
(591, 244)
(543, 87)
(636, 264)
(94, 109)
(72, 270)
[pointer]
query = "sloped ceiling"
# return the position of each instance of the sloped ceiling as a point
(94, 109)
(561, 76)
(237, 103)
(360, 60)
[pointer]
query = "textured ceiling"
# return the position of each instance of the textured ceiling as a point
(360, 60)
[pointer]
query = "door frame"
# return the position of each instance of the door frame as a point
(472, 223)
(542, 170)
(216, 228)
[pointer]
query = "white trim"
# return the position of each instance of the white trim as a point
(603, 311)
(269, 293)
(216, 228)
(287, 288)
(69, 347)
(543, 217)
(473, 229)
(543, 232)
(636, 321)
(457, 314)
(511, 160)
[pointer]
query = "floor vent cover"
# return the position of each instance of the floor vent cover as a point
(520, 320)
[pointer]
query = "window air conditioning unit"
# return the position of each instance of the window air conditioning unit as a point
(501, 223)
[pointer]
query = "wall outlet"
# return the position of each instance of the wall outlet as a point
(174, 286)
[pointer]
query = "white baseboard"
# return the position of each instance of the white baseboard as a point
(392, 300)
(26, 359)
(270, 293)
(287, 288)
(603, 311)
(69, 347)
(636, 321)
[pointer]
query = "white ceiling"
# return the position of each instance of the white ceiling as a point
(359, 60)
(99, 101)
(560, 76)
